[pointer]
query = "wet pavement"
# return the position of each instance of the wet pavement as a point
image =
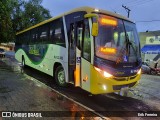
(38, 92)
(20, 92)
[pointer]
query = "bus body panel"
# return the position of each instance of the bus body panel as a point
(86, 75)
(55, 54)
(100, 84)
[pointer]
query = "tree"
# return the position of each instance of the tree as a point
(5, 21)
(33, 13)
(16, 15)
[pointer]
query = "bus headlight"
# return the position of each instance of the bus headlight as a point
(104, 73)
(107, 74)
(139, 71)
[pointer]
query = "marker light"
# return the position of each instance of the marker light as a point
(96, 10)
(107, 50)
(104, 73)
(139, 71)
(108, 21)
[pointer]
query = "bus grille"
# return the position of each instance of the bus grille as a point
(124, 78)
(118, 87)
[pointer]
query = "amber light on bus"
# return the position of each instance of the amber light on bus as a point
(104, 73)
(107, 50)
(108, 21)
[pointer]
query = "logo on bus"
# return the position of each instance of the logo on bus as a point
(119, 73)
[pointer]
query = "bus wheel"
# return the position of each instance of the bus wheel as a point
(60, 76)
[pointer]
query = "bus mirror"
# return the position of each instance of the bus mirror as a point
(95, 29)
(95, 23)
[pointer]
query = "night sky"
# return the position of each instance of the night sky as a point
(146, 13)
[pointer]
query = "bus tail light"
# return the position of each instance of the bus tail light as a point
(104, 73)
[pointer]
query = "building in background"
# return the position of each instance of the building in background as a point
(8, 46)
(150, 47)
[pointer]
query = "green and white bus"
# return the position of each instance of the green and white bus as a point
(96, 50)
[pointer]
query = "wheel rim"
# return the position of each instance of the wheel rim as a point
(61, 77)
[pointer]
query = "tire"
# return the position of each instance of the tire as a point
(60, 76)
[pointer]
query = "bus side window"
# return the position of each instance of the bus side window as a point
(86, 42)
(34, 36)
(43, 34)
(57, 32)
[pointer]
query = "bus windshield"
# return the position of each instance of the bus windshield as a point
(117, 40)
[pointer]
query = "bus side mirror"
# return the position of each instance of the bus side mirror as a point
(94, 29)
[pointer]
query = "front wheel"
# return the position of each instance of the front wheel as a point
(60, 76)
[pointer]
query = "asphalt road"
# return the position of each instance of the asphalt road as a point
(143, 98)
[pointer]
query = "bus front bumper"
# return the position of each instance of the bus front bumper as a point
(100, 84)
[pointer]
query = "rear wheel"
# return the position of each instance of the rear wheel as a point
(60, 76)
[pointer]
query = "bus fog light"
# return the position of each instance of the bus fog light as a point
(104, 87)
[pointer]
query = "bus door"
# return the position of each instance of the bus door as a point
(72, 52)
(79, 37)
(80, 47)
(86, 57)
(75, 40)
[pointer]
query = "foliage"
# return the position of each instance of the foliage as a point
(16, 15)
(5, 21)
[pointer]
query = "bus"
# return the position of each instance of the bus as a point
(96, 50)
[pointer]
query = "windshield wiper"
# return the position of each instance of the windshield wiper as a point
(128, 45)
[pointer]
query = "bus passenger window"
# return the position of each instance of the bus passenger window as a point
(34, 36)
(57, 33)
(87, 42)
(43, 34)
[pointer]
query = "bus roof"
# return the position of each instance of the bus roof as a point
(86, 9)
